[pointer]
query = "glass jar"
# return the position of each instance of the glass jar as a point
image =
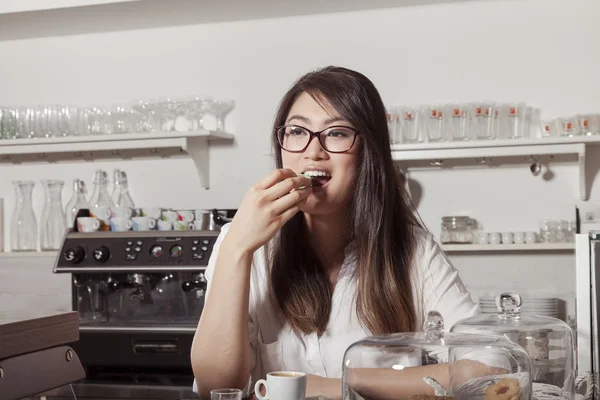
(463, 366)
(548, 341)
(457, 230)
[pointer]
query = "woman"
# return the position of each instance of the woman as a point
(310, 265)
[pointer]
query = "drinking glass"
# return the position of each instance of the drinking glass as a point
(226, 394)
(391, 124)
(220, 109)
(512, 120)
(8, 123)
(588, 124)
(459, 121)
(569, 126)
(411, 125)
(433, 120)
(197, 107)
(146, 115)
(550, 128)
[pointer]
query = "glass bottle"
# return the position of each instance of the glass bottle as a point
(120, 196)
(23, 224)
(100, 196)
(53, 225)
(77, 202)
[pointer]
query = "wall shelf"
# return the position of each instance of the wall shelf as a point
(450, 248)
(120, 146)
(28, 254)
(493, 152)
(472, 248)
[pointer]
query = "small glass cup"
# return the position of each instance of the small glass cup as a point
(226, 394)
(550, 128)
(569, 126)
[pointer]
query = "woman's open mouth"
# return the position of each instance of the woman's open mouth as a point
(318, 177)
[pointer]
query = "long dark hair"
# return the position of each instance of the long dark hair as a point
(381, 221)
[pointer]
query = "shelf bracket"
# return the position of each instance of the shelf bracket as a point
(197, 148)
(582, 174)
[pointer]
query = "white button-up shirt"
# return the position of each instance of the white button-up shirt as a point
(275, 346)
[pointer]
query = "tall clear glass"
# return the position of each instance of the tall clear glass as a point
(23, 224)
(77, 202)
(53, 224)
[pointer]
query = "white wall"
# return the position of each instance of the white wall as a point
(536, 51)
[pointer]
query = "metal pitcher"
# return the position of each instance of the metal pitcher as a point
(213, 220)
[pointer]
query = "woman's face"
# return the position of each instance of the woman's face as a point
(332, 192)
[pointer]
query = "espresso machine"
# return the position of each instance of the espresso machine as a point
(139, 296)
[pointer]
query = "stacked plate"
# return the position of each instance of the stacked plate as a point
(544, 306)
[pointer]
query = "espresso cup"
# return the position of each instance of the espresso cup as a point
(483, 238)
(519, 237)
(181, 226)
(495, 238)
(508, 238)
(164, 225)
(282, 385)
(102, 213)
(185, 216)
(88, 224)
(143, 223)
(120, 224)
(152, 212)
(121, 212)
(170, 216)
(530, 237)
(197, 225)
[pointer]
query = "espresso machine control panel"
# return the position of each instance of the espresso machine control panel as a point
(135, 251)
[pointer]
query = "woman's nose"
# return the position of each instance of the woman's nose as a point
(315, 151)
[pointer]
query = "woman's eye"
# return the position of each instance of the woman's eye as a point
(296, 132)
(338, 133)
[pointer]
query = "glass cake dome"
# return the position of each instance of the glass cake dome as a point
(435, 363)
(548, 341)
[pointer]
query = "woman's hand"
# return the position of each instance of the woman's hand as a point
(266, 207)
(465, 370)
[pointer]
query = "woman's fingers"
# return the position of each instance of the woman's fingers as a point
(275, 176)
(288, 213)
(291, 199)
(286, 186)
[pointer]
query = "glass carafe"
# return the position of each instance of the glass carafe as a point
(100, 196)
(120, 196)
(23, 224)
(53, 225)
(77, 202)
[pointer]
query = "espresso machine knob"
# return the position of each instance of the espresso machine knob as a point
(74, 255)
(114, 285)
(198, 282)
(101, 254)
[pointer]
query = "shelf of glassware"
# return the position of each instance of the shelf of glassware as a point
(487, 152)
(126, 145)
(472, 248)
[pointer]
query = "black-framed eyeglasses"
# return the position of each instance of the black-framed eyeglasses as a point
(334, 139)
